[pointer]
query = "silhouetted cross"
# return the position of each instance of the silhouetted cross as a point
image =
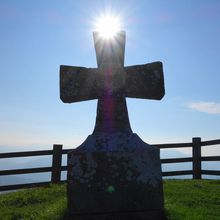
(110, 83)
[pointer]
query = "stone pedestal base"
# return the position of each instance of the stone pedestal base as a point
(103, 184)
(148, 215)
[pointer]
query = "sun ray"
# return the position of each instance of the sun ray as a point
(108, 25)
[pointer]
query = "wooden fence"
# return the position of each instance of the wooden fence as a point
(57, 167)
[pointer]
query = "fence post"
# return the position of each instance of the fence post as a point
(196, 154)
(56, 163)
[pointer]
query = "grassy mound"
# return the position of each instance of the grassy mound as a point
(184, 199)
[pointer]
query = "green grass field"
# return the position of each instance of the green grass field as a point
(184, 200)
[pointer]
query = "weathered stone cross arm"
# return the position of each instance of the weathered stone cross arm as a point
(141, 81)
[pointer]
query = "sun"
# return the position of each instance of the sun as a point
(107, 25)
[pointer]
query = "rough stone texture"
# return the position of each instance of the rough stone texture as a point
(113, 174)
(141, 81)
(108, 52)
(120, 141)
(112, 114)
(145, 81)
(118, 173)
(140, 215)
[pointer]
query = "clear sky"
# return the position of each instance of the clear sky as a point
(36, 37)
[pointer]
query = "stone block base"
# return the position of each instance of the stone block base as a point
(120, 182)
(144, 215)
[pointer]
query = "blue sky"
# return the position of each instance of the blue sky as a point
(36, 37)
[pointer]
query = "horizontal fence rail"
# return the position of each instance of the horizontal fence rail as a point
(26, 154)
(57, 167)
(173, 145)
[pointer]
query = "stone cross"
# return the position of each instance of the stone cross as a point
(113, 174)
(111, 83)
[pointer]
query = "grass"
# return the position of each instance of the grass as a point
(192, 199)
(184, 200)
(44, 203)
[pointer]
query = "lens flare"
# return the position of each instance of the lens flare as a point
(108, 25)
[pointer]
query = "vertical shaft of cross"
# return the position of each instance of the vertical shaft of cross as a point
(112, 113)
